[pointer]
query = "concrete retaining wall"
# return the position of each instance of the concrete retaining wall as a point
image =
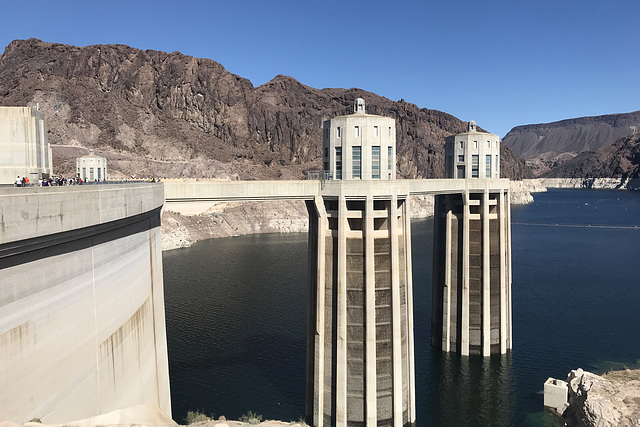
(82, 328)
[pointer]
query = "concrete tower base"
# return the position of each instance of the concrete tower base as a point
(360, 363)
(472, 273)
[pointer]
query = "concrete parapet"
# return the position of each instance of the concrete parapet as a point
(176, 190)
(82, 329)
(29, 212)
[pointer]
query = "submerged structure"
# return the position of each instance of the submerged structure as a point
(360, 358)
(472, 252)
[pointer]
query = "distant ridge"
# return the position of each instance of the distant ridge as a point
(620, 160)
(167, 114)
(548, 145)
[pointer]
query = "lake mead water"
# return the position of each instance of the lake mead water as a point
(236, 317)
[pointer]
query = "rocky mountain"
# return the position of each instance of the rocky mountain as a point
(620, 160)
(545, 146)
(166, 114)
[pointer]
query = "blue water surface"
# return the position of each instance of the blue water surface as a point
(236, 317)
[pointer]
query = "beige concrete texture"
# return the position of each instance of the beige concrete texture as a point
(24, 145)
(180, 191)
(38, 211)
(364, 131)
(82, 329)
(556, 393)
(360, 356)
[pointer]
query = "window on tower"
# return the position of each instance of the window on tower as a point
(356, 156)
(375, 162)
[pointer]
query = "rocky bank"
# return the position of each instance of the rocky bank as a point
(610, 400)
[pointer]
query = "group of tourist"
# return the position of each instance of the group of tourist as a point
(59, 181)
(49, 182)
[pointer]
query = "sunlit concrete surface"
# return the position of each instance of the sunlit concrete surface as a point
(82, 328)
(24, 145)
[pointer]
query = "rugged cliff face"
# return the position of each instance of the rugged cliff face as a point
(548, 145)
(166, 114)
(621, 160)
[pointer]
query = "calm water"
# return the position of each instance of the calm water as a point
(236, 317)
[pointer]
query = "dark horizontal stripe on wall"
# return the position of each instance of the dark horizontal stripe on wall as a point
(29, 250)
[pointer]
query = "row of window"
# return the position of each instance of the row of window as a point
(475, 166)
(91, 175)
(356, 131)
(356, 161)
(475, 144)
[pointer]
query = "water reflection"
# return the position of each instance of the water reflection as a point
(472, 391)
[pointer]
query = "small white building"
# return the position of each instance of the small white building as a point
(472, 154)
(91, 167)
(359, 146)
(24, 145)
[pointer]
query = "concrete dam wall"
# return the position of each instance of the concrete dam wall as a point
(82, 327)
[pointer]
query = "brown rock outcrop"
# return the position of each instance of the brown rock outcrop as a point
(620, 160)
(564, 139)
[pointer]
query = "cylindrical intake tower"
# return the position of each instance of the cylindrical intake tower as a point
(360, 364)
(471, 311)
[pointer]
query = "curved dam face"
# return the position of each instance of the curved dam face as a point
(82, 327)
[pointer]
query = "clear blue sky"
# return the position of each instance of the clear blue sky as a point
(501, 63)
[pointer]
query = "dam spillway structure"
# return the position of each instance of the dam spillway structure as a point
(360, 356)
(471, 294)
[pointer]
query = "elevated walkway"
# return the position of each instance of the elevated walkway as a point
(178, 191)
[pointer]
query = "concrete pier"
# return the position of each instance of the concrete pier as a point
(82, 328)
(471, 312)
(360, 362)
(471, 289)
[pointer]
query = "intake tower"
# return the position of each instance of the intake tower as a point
(472, 252)
(360, 358)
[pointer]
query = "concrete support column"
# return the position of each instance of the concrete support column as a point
(508, 269)
(436, 290)
(464, 339)
(406, 215)
(503, 275)
(446, 292)
(486, 277)
(341, 344)
(318, 233)
(370, 318)
(395, 309)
